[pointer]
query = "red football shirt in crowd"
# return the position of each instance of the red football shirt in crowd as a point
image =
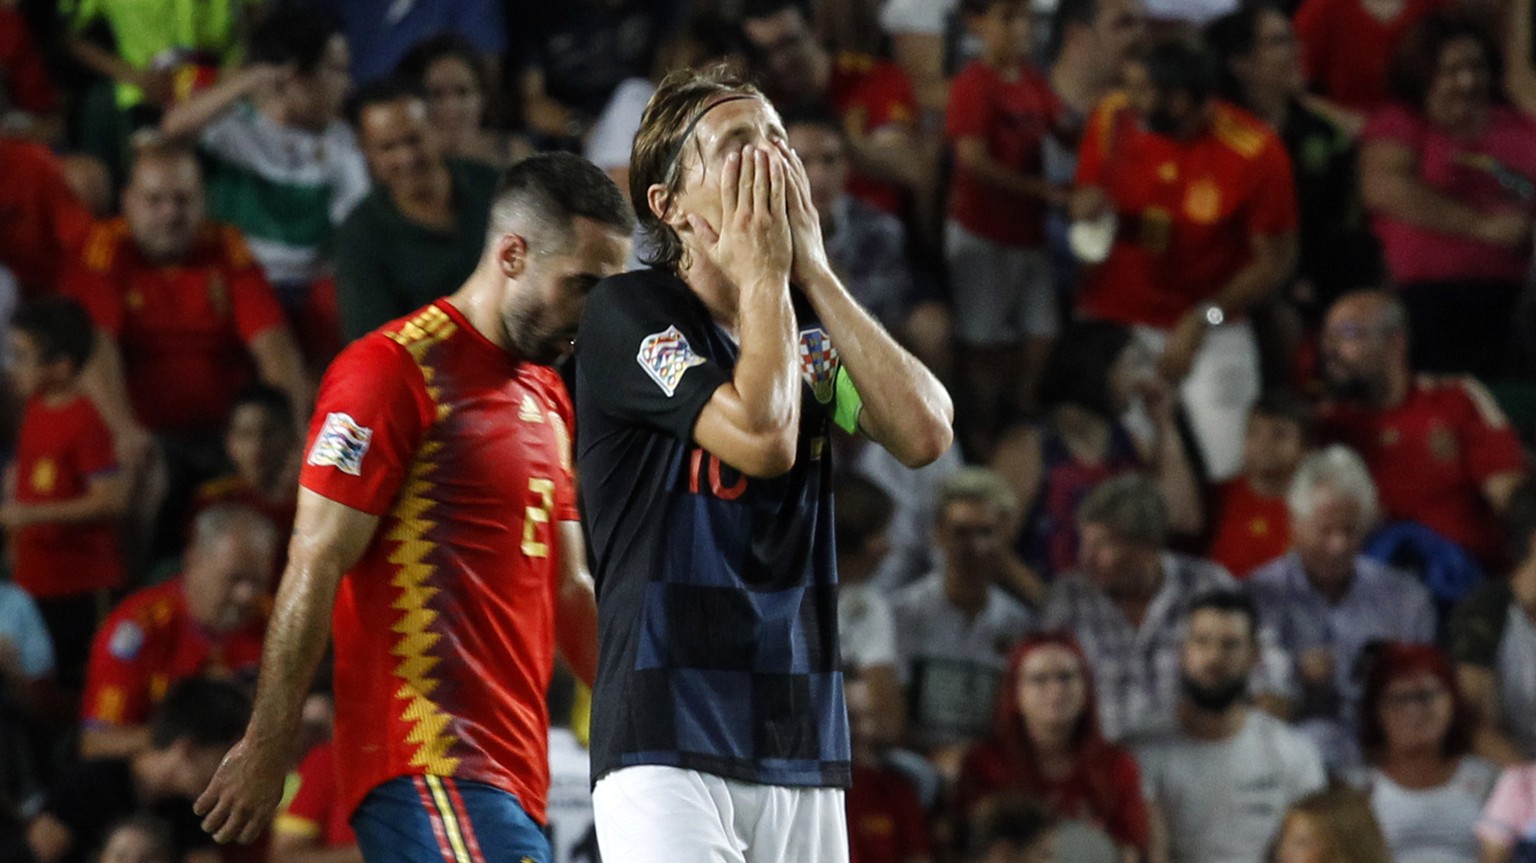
(149, 642)
(1431, 454)
(444, 630)
(25, 78)
(886, 823)
(59, 450)
(1188, 210)
(1012, 115)
(1251, 530)
(42, 223)
(872, 94)
(1347, 50)
(183, 328)
(315, 810)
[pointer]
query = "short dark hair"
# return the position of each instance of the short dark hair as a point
(1227, 602)
(201, 711)
(1285, 405)
(1013, 819)
(753, 9)
(415, 64)
(386, 91)
(1177, 65)
(61, 328)
(1416, 61)
(1520, 519)
(270, 399)
(1068, 13)
(863, 510)
(982, 7)
(162, 839)
(555, 189)
(1233, 36)
(294, 35)
(813, 114)
(1077, 370)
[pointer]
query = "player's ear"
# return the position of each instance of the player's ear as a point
(512, 255)
(659, 199)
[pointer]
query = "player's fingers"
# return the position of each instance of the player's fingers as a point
(748, 180)
(762, 183)
(730, 180)
(216, 817)
(702, 229)
(254, 825)
(798, 174)
(778, 182)
(205, 801)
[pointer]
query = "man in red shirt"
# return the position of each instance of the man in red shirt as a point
(1206, 212)
(873, 97)
(313, 827)
(1440, 450)
(437, 533)
(207, 622)
(42, 223)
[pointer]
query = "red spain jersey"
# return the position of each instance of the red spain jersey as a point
(872, 94)
(1012, 116)
(42, 223)
(59, 450)
(444, 629)
(1188, 210)
(1251, 530)
(185, 324)
(1347, 50)
(1431, 454)
(315, 812)
(149, 642)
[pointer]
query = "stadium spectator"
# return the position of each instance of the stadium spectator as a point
(1221, 779)
(1326, 602)
(64, 492)
(955, 628)
(1447, 175)
(29, 103)
(282, 166)
(1010, 829)
(154, 59)
(208, 621)
(1251, 524)
(1096, 374)
(380, 35)
(32, 709)
(1348, 46)
(872, 97)
(1198, 244)
(191, 731)
(1126, 604)
(262, 444)
(572, 836)
(1426, 787)
(1507, 828)
(886, 822)
(313, 828)
(1261, 70)
(1492, 638)
(866, 625)
(1046, 743)
(139, 839)
(419, 233)
(572, 56)
(461, 101)
(1090, 40)
(1334, 825)
(42, 222)
(1440, 449)
(923, 43)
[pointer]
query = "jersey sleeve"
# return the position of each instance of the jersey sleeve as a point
(886, 98)
(95, 292)
(565, 491)
(254, 302)
(371, 415)
(93, 454)
(638, 363)
(1491, 446)
(116, 680)
(1273, 208)
(1096, 141)
(967, 114)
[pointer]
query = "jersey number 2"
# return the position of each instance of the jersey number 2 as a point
(537, 515)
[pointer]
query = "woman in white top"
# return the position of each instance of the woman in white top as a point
(1426, 789)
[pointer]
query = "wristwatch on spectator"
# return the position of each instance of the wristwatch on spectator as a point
(1213, 315)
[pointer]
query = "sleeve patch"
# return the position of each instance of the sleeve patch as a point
(665, 356)
(341, 444)
(126, 641)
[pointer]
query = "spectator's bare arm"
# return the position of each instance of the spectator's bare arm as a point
(1481, 688)
(576, 605)
(1390, 187)
(188, 119)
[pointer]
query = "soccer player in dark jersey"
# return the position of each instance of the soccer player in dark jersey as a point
(437, 532)
(707, 387)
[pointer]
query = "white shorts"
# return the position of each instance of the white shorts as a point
(1001, 294)
(655, 814)
(1222, 386)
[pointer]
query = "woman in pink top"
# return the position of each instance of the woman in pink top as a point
(1449, 175)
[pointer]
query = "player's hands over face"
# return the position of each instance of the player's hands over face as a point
(244, 793)
(753, 244)
(804, 223)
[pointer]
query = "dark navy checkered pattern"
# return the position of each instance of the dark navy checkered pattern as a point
(717, 593)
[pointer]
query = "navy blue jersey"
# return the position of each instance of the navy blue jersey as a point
(717, 592)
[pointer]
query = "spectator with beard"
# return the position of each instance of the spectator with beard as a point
(1441, 451)
(1222, 778)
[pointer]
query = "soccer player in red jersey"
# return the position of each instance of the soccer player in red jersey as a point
(437, 533)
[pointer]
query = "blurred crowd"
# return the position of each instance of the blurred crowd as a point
(1234, 558)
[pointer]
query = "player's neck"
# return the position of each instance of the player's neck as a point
(710, 285)
(61, 395)
(479, 301)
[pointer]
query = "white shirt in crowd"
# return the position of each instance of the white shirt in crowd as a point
(1517, 679)
(1223, 800)
(866, 627)
(570, 800)
(1433, 825)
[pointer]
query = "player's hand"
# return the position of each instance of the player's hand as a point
(810, 259)
(244, 793)
(753, 243)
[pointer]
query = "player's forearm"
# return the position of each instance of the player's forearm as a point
(906, 409)
(767, 369)
(295, 643)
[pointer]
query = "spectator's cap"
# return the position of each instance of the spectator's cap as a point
(60, 327)
(204, 712)
(979, 485)
(1130, 505)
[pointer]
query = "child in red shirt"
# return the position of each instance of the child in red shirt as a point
(1000, 112)
(1253, 523)
(63, 491)
(262, 443)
